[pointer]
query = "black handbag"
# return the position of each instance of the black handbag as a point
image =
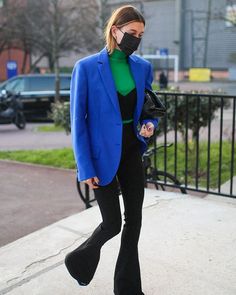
(153, 107)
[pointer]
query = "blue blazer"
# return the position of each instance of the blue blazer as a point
(96, 123)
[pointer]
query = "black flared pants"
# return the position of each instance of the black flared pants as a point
(130, 178)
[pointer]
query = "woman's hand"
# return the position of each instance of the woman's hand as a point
(92, 182)
(147, 130)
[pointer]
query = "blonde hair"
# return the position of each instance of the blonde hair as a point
(120, 17)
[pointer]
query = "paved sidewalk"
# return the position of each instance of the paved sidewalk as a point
(229, 87)
(187, 247)
(27, 139)
(34, 196)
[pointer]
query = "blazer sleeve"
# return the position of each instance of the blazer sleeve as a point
(79, 126)
(148, 85)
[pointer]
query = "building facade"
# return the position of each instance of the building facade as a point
(13, 52)
(194, 30)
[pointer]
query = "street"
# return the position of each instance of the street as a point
(33, 197)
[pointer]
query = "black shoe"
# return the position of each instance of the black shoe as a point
(75, 268)
(81, 283)
(81, 266)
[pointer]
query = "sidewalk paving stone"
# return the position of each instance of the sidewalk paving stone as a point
(187, 246)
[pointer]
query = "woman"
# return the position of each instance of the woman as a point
(107, 96)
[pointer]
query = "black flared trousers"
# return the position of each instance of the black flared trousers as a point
(130, 178)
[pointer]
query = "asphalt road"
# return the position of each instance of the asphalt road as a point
(228, 87)
(11, 138)
(33, 197)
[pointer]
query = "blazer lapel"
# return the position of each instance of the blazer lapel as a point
(109, 84)
(138, 76)
(107, 79)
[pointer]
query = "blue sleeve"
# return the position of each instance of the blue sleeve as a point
(79, 127)
(148, 85)
(155, 122)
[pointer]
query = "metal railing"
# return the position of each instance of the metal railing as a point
(202, 126)
(201, 131)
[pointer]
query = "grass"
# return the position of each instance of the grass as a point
(49, 128)
(202, 163)
(64, 158)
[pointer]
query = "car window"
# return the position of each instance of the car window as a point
(41, 83)
(65, 83)
(16, 85)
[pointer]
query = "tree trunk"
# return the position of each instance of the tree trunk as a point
(57, 81)
(24, 61)
(33, 66)
(56, 51)
(50, 63)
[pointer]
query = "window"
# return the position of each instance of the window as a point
(65, 83)
(41, 83)
(2, 3)
(45, 83)
(16, 85)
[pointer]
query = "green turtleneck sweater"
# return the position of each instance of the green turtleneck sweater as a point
(121, 72)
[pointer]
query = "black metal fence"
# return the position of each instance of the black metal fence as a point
(201, 128)
(197, 140)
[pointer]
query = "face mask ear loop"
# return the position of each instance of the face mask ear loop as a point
(120, 30)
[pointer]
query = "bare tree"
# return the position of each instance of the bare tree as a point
(51, 29)
(231, 15)
(13, 31)
(6, 32)
(228, 14)
(3, 38)
(60, 26)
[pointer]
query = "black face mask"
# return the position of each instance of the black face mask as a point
(129, 43)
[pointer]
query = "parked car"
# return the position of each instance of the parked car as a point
(37, 92)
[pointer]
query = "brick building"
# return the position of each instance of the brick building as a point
(15, 55)
(12, 53)
(190, 29)
(194, 30)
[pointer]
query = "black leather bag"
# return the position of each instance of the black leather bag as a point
(153, 107)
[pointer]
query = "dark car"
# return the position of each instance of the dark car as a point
(37, 92)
